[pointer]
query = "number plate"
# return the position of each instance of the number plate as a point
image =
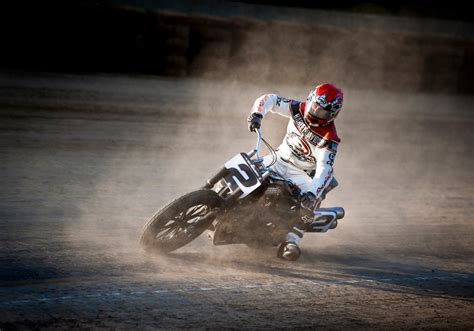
(242, 173)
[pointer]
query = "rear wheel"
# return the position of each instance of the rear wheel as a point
(180, 222)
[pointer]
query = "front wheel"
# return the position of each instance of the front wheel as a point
(180, 222)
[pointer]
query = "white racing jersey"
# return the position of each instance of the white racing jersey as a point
(307, 148)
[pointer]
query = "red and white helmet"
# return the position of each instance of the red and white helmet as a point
(323, 104)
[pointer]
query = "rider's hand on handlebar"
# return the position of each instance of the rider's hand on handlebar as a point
(255, 121)
(308, 200)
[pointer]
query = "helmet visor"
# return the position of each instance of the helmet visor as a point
(316, 112)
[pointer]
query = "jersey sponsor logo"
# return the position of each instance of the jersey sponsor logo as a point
(311, 137)
(332, 156)
(280, 100)
(320, 189)
(299, 148)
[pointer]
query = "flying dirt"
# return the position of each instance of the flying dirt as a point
(86, 160)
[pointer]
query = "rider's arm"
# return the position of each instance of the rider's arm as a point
(325, 160)
(273, 103)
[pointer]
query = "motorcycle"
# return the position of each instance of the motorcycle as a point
(245, 202)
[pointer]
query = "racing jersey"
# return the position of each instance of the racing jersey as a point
(305, 147)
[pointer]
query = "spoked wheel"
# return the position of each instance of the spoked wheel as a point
(181, 221)
(183, 225)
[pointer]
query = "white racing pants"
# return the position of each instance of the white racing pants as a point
(291, 172)
(304, 182)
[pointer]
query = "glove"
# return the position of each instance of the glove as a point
(308, 200)
(255, 121)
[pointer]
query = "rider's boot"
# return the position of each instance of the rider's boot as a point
(289, 249)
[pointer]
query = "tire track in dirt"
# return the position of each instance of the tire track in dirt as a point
(85, 160)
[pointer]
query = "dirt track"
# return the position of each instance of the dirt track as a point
(86, 160)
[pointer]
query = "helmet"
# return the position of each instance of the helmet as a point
(323, 104)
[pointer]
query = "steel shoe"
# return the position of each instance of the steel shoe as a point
(289, 251)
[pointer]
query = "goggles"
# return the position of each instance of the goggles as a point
(317, 113)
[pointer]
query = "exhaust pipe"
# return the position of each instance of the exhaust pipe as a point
(340, 213)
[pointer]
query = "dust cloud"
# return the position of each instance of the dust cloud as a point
(404, 163)
(95, 156)
(403, 183)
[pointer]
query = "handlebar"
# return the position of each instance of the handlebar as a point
(259, 142)
(266, 171)
(259, 159)
(257, 147)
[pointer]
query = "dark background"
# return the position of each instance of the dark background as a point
(401, 45)
(110, 110)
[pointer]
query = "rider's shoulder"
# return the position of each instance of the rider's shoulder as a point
(296, 107)
(332, 138)
(330, 133)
